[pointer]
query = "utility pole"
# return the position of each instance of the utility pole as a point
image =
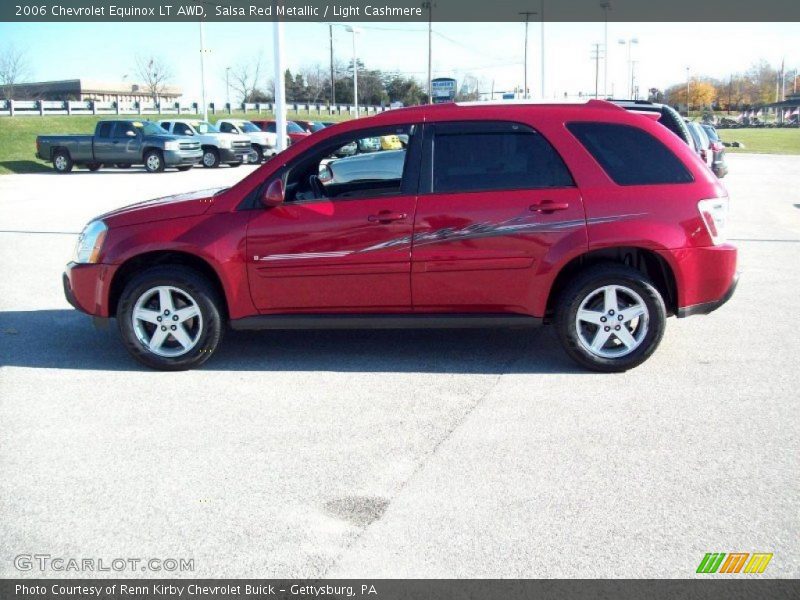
(596, 58)
(527, 15)
(355, 31)
(333, 80)
(688, 103)
(606, 6)
(429, 5)
(228, 86)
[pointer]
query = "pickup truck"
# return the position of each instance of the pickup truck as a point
(218, 147)
(122, 144)
(263, 143)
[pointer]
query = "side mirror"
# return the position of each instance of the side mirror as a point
(130, 133)
(273, 195)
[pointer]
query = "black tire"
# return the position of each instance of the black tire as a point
(209, 326)
(62, 161)
(154, 161)
(582, 288)
(259, 153)
(236, 164)
(210, 158)
(184, 167)
(93, 166)
(122, 166)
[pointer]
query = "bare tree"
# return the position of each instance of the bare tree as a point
(317, 81)
(13, 70)
(154, 73)
(244, 79)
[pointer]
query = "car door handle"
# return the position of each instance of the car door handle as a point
(548, 206)
(386, 216)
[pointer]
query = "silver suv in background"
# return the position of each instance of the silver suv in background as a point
(218, 147)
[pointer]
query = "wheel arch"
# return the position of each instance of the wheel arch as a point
(645, 260)
(137, 263)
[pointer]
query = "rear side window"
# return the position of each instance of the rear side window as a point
(471, 157)
(630, 155)
(104, 129)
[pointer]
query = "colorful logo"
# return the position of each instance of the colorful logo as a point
(735, 562)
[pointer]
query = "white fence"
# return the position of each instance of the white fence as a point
(41, 108)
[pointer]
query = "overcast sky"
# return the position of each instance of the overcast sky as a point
(489, 51)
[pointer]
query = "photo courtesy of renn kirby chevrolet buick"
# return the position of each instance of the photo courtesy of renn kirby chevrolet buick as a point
(588, 216)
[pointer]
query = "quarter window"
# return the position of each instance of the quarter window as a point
(471, 157)
(629, 155)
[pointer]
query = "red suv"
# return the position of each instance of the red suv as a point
(598, 220)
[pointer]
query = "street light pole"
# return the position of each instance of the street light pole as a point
(688, 103)
(228, 86)
(429, 5)
(541, 17)
(629, 42)
(333, 80)
(355, 31)
(280, 86)
(203, 71)
(527, 15)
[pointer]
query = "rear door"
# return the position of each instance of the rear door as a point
(495, 198)
(103, 142)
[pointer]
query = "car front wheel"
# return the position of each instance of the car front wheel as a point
(169, 318)
(610, 318)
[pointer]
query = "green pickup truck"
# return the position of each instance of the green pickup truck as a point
(121, 144)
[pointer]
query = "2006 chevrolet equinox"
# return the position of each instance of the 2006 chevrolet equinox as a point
(596, 219)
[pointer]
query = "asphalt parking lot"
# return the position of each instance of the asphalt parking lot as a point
(398, 454)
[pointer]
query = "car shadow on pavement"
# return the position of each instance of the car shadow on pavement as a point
(66, 339)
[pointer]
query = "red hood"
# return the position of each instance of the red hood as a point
(188, 204)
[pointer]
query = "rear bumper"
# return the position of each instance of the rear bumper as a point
(86, 287)
(708, 307)
(706, 278)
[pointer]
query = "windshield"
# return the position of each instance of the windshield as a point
(317, 126)
(204, 127)
(248, 127)
(293, 127)
(148, 128)
(711, 133)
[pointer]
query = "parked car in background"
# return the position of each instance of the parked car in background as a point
(229, 148)
(310, 126)
(719, 164)
(369, 144)
(120, 143)
(293, 130)
(667, 116)
(263, 143)
(385, 165)
(598, 221)
(701, 142)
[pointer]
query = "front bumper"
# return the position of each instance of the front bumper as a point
(235, 155)
(86, 287)
(181, 158)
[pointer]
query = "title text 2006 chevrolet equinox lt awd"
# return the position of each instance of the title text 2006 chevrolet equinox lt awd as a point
(596, 219)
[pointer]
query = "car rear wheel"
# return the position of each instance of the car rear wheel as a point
(236, 164)
(210, 158)
(184, 167)
(610, 318)
(62, 162)
(169, 318)
(122, 166)
(93, 166)
(153, 161)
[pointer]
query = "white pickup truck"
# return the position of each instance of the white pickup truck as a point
(218, 147)
(263, 143)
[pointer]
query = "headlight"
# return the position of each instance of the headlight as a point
(174, 145)
(225, 143)
(90, 242)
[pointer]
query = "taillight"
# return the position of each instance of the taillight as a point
(714, 213)
(717, 146)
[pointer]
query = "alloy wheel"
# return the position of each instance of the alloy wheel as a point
(612, 321)
(167, 321)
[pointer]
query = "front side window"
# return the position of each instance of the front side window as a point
(340, 170)
(629, 155)
(292, 127)
(472, 157)
(182, 129)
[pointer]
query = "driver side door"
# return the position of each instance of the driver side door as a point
(348, 251)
